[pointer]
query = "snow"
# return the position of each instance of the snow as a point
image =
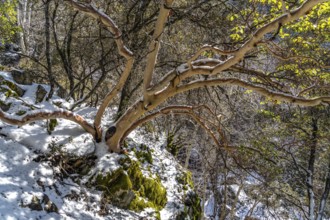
(24, 178)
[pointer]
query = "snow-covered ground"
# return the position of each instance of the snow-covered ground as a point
(31, 187)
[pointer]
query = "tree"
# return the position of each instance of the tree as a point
(209, 66)
(8, 26)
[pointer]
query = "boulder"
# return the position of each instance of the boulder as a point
(21, 77)
(40, 93)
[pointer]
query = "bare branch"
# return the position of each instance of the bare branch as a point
(261, 90)
(206, 48)
(179, 109)
(299, 58)
(122, 50)
(39, 115)
(90, 10)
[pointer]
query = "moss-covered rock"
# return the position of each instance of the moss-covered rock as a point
(127, 187)
(117, 187)
(12, 88)
(21, 77)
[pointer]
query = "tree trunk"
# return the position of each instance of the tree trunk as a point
(324, 196)
(48, 55)
(310, 173)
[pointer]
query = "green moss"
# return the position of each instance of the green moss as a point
(128, 187)
(51, 124)
(185, 179)
(139, 204)
(144, 154)
(171, 146)
(117, 180)
(20, 112)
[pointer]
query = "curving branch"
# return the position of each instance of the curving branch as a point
(42, 115)
(259, 89)
(90, 10)
(183, 110)
(174, 77)
(256, 38)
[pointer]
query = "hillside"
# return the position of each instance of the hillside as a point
(54, 170)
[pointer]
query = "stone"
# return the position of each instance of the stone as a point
(21, 77)
(11, 85)
(40, 93)
(9, 59)
(35, 204)
(49, 205)
(4, 106)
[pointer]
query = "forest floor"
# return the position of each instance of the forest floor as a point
(36, 181)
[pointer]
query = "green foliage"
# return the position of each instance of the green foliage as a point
(8, 20)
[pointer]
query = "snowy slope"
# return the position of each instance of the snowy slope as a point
(35, 185)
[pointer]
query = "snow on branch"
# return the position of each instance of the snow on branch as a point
(90, 10)
(42, 115)
(237, 55)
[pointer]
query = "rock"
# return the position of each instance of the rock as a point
(40, 93)
(9, 59)
(21, 77)
(11, 85)
(127, 198)
(61, 92)
(35, 204)
(49, 205)
(5, 106)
